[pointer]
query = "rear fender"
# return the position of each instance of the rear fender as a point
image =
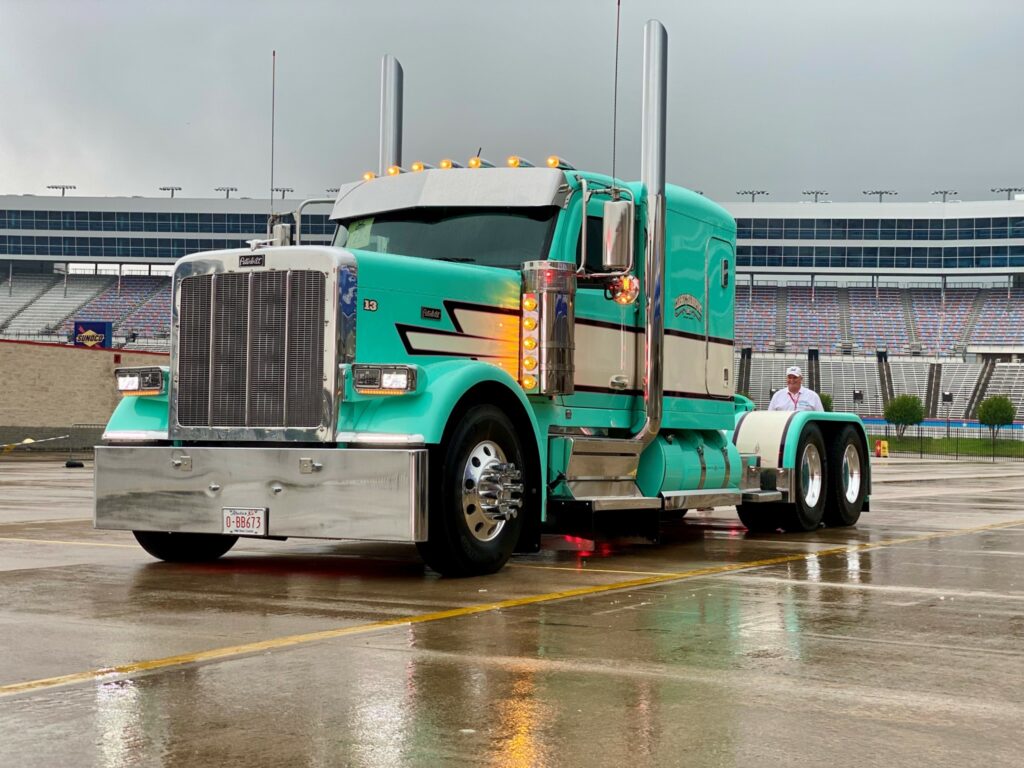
(774, 435)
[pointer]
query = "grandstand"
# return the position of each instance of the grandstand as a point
(879, 298)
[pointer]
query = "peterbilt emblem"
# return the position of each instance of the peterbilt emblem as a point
(252, 260)
(430, 313)
(688, 305)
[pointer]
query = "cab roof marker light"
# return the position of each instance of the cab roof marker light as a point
(395, 170)
(554, 161)
(516, 161)
(419, 165)
(479, 162)
(369, 176)
(448, 163)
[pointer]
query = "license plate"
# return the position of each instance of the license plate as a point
(245, 521)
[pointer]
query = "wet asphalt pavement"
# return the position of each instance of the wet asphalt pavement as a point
(899, 642)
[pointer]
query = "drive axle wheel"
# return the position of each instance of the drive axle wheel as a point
(848, 479)
(476, 495)
(810, 484)
(184, 547)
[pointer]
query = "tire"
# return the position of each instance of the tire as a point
(811, 481)
(184, 547)
(464, 538)
(847, 487)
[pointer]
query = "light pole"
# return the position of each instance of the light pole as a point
(226, 190)
(816, 192)
(172, 190)
(945, 192)
(880, 192)
(282, 190)
(62, 187)
(754, 193)
(1008, 190)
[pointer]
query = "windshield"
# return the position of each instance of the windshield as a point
(494, 237)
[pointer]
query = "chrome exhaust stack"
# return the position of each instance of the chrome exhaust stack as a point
(391, 78)
(652, 176)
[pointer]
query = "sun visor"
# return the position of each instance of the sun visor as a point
(489, 187)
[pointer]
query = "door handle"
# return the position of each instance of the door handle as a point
(618, 382)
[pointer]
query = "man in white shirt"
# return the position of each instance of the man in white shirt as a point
(795, 397)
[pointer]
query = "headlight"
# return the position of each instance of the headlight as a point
(384, 379)
(140, 381)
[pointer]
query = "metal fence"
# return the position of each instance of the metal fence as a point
(958, 443)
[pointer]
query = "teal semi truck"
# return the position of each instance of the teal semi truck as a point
(482, 355)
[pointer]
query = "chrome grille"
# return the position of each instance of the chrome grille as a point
(251, 349)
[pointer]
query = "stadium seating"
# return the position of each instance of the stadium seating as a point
(812, 322)
(960, 379)
(152, 319)
(877, 322)
(60, 301)
(755, 317)
(1008, 379)
(940, 324)
(118, 301)
(1001, 319)
(16, 293)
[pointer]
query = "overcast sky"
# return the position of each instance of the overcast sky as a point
(120, 97)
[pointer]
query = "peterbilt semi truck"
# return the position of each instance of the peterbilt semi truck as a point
(482, 355)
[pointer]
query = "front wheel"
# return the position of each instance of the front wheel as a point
(184, 547)
(477, 476)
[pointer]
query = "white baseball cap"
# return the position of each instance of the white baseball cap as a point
(794, 370)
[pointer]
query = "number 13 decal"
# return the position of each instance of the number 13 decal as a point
(370, 305)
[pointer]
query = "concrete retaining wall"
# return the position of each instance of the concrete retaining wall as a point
(46, 388)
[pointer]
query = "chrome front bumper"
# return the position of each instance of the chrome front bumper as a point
(330, 493)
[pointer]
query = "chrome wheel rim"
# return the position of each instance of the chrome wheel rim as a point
(491, 494)
(810, 475)
(851, 473)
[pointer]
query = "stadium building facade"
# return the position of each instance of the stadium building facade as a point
(874, 299)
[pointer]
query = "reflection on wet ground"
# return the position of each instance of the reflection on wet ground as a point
(897, 642)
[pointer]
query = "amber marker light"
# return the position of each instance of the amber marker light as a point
(530, 343)
(369, 176)
(515, 161)
(447, 163)
(394, 170)
(529, 323)
(419, 165)
(554, 161)
(529, 303)
(529, 363)
(529, 382)
(479, 162)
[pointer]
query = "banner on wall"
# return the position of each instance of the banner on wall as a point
(91, 333)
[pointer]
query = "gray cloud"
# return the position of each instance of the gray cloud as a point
(121, 97)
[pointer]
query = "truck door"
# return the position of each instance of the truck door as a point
(607, 335)
(719, 290)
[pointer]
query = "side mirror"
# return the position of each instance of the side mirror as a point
(617, 240)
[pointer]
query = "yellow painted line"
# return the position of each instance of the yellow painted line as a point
(107, 674)
(67, 543)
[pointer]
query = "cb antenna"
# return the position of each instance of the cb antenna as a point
(273, 105)
(615, 95)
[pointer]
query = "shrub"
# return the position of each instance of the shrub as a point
(995, 412)
(904, 411)
(826, 400)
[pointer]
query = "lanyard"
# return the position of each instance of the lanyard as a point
(796, 400)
